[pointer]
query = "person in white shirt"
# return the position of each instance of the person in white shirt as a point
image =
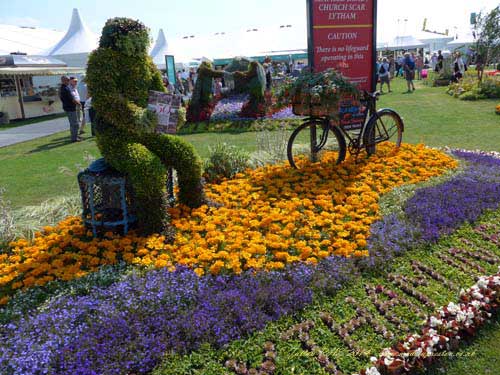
(73, 81)
(81, 87)
(90, 114)
(458, 67)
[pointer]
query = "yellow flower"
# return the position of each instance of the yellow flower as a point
(270, 217)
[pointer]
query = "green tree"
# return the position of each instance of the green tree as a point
(488, 36)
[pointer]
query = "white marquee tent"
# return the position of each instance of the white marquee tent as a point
(463, 40)
(24, 39)
(160, 49)
(244, 42)
(405, 42)
(75, 46)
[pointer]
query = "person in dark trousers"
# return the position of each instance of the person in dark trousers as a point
(440, 61)
(409, 70)
(69, 106)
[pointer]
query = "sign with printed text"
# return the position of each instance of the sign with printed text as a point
(342, 35)
(166, 106)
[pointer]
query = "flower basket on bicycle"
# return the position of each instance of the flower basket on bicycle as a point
(303, 105)
(315, 94)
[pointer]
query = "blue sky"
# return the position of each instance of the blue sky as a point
(176, 17)
(183, 17)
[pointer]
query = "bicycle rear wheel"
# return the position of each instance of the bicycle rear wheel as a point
(386, 125)
(316, 141)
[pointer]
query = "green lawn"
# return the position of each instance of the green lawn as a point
(30, 170)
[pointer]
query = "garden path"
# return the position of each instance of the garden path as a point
(28, 132)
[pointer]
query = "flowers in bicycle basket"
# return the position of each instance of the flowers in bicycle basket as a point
(322, 90)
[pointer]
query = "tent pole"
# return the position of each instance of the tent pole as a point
(20, 96)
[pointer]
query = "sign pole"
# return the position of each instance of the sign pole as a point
(310, 39)
(374, 47)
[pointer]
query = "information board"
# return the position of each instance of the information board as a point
(342, 35)
(166, 106)
(170, 67)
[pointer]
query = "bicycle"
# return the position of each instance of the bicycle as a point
(363, 133)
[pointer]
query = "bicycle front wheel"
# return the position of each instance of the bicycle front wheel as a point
(316, 141)
(385, 125)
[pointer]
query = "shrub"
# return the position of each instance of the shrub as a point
(271, 146)
(471, 96)
(491, 88)
(7, 228)
(224, 162)
(469, 88)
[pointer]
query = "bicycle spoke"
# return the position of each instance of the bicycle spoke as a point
(315, 142)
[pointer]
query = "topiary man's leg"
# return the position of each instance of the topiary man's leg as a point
(181, 156)
(147, 175)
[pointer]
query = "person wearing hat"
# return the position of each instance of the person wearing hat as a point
(69, 105)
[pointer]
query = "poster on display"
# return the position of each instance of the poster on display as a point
(342, 35)
(170, 67)
(166, 106)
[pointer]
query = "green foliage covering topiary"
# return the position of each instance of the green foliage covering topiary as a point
(119, 75)
(254, 82)
(201, 105)
(125, 35)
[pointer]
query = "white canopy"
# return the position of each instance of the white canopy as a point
(78, 38)
(40, 71)
(29, 40)
(405, 42)
(464, 40)
(160, 49)
(243, 42)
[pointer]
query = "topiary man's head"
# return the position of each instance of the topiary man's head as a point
(125, 35)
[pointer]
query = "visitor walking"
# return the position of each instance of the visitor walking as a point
(434, 61)
(479, 66)
(89, 112)
(458, 67)
(409, 71)
(69, 105)
(383, 73)
(391, 67)
(170, 88)
(81, 88)
(440, 60)
(419, 65)
(268, 67)
(399, 66)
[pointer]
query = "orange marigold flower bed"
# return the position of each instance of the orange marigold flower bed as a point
(270, 217)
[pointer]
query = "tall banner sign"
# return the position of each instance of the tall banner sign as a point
(342, 35)
(170, 68)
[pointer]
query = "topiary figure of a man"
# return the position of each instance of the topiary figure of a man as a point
(250, 77)
(119, 75)
(202, 106)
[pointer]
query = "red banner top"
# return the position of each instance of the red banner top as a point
(342, 36)
(351, 13)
